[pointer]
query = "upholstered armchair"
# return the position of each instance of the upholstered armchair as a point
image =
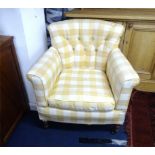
(84, 77)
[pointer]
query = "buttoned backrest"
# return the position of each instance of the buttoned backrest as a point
(85, 43)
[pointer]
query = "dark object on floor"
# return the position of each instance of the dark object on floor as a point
(30, 132)
(95, 140)
(141, 120)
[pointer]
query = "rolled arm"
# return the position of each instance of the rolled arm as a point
(44, 74)
(122, 77)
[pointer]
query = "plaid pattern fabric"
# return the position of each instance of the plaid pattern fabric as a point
(80, 117)
(84, 42)
(69, 81)
(43, 75)
(122, 78)
(82, 90)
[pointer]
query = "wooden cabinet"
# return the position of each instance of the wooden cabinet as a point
(139, 48)
(13, 98)
(138, 41)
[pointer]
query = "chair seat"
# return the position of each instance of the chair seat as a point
(82, 90)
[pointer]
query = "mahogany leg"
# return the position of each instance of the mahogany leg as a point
(115, 129)
(45, 124)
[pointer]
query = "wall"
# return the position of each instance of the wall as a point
(29, 31)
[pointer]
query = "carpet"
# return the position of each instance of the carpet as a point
(141, 120)
(29, 132)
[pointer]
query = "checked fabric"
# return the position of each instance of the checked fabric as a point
(84, 78)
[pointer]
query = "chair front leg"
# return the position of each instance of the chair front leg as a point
(115, 128)
(45, 124)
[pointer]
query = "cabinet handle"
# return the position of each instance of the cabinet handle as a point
(130, 25)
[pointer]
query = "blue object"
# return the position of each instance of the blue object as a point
(54, 15)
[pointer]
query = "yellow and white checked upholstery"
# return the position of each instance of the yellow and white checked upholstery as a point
(84, 78)
(122, 78)
(44, 74)
(81, 117)
(82, 90)
(85, 43)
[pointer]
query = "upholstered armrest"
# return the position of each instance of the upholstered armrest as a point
(122, 77)
(44, 74)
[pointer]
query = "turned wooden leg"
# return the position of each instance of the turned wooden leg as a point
(115, 129)
(45, 124)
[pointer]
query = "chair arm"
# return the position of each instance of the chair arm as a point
(122, 77)
(44, 74)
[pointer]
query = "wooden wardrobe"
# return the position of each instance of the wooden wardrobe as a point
(138, 41)
(13, 98)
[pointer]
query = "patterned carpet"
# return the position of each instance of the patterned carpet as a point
(29, 132)
(141, 120)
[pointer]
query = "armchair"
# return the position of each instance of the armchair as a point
(84, 78)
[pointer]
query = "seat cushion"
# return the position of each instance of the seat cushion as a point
(82, 90)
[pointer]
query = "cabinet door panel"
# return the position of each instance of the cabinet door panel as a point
(142, 49)
(139, 48)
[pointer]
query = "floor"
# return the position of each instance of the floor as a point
(30, 132)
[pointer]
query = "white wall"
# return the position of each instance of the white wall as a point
(29, 31)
